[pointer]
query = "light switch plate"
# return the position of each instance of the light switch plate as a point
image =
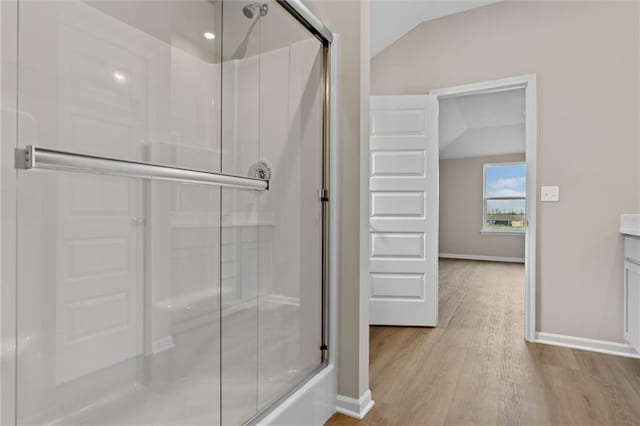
(550, 193)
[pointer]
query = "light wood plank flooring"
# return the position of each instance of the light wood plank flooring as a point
(475, 367)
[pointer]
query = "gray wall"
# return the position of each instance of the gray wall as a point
(350, 20)
(461, 206)
(586, 58)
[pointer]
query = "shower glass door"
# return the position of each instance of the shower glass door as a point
(118, 292)
(146, 301)
(272, 116)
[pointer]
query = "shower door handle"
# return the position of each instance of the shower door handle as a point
(33, 157)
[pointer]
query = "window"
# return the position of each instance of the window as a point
(504, 197)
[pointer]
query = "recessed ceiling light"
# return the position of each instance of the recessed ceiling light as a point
(209, 35)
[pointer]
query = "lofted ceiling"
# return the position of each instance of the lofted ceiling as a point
(391, 19)
(482, 125)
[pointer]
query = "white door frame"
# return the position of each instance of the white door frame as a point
(527, 82)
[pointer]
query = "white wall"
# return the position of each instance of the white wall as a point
(482, 124)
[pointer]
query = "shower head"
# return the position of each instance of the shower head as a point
(250, 9)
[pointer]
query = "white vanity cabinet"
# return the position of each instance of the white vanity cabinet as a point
(631, 318)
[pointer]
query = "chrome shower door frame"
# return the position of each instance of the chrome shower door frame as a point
(328, 197)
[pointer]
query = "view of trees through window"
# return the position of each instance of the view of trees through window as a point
(504, 197)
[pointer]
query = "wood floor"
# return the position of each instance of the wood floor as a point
(475, 367)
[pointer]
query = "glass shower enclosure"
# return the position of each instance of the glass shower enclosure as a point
(170, 211)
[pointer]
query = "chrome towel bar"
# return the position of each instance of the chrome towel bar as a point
(33, 157)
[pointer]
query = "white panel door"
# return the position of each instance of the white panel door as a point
(403, 211)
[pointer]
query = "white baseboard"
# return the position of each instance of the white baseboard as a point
(601, 346)
(356, 408)
(479, 257)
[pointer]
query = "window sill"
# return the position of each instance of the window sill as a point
(495, 232)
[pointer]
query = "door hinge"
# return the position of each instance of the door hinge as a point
(324, 195)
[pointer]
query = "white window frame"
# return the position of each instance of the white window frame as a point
(489, 231)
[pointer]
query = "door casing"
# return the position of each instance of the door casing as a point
(528, 82)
